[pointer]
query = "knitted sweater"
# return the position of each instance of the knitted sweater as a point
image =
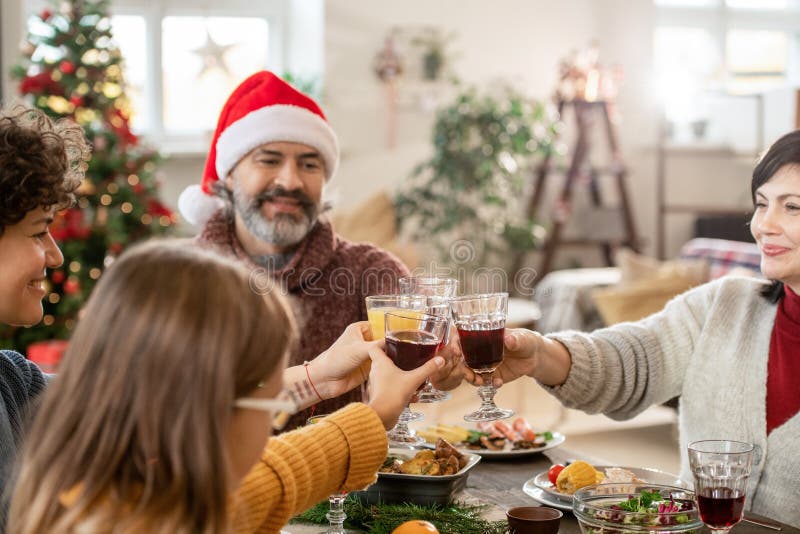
(301, 468)
(297, 470)
(327, 280)
(20, 381)
(711, 347)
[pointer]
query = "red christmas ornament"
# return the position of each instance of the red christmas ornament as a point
(47, 354)
(72, 286)
(76, 101)
(67, 67)
(41, 83)
(138, 188)
(46, 14)
(69, 225)
(115, 248)
(57, 277)
(157, 209)
(121, 127)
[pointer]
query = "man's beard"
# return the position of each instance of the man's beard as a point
(284, 230)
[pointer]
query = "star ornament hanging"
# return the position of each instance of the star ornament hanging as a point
(212, 54)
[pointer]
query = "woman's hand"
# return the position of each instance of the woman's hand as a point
(390, 388)
(453, 372)
(528, 353)
(345, 364)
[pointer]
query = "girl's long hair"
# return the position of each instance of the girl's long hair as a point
(131, 433)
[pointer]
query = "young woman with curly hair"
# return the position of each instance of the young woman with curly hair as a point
(41, 163)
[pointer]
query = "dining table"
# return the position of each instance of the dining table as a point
(498, 482)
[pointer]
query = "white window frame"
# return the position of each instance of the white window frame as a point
(720, 19)
(276, 13)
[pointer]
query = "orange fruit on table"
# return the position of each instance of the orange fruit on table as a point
(416, 526)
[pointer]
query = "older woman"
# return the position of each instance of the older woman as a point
(729, 348)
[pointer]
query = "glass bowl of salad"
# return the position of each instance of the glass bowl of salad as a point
(635, 507)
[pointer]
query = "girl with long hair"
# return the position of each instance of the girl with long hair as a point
(156, 422)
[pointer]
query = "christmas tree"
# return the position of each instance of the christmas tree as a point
(71, 67)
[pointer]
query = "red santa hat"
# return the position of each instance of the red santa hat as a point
(263, 109)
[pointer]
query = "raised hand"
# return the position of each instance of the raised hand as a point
(390, 388)
(453, 372)
(345, 364)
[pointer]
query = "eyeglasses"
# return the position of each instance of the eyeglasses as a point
(266, 405)
(281, 408)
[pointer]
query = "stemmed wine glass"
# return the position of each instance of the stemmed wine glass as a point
(377, 306)
(439, 292)
(481, 322)
(412, 338)
(335, 515)
(720, 469)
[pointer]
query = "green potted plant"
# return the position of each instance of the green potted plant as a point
(470, 193)
(433, 43)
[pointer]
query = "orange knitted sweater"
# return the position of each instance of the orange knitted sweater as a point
(303, 467)
(297, 470)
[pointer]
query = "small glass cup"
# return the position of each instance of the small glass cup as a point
(335, 515)
(481, 322)
(378, 305)
(720, 469)
(412, 338)
(439, 292)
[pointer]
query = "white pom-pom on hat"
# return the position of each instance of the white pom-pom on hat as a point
(196, 206)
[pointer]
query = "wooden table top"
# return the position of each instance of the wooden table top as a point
(500, 481)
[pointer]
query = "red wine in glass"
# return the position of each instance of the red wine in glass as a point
(483, 349)
(720, 508)
(409, 349)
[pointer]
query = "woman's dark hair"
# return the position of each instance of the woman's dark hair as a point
(42, 162)
(784, 151)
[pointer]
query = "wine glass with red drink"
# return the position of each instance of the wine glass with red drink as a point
(439, 292)
(481, 324)
(412, 338)
(720, 469)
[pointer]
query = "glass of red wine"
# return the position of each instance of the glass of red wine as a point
(439, 292)
(720, 469)
(412, 338)
(481, 324)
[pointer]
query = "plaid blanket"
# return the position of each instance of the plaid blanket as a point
(723, 255)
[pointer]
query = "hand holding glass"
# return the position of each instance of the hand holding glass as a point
(481, 322)
(438, 293)
(720, 469)
(411, 340)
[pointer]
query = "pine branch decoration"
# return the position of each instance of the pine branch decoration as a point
(456, 518)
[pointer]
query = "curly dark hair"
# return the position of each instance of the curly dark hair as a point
(42, 162)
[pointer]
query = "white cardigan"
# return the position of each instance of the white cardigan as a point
(710, 346)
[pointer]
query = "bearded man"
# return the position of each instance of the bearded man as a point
(261, 200)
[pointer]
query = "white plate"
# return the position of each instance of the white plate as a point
(558, 439)
(538, 495)
(648, 474)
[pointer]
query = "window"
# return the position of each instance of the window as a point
(182, 58)
(711, 56)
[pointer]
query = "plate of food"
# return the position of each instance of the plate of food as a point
(422, 477)
(496, 438)
(559, 483)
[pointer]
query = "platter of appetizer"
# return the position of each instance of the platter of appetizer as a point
(424, 477)
(495, 439)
